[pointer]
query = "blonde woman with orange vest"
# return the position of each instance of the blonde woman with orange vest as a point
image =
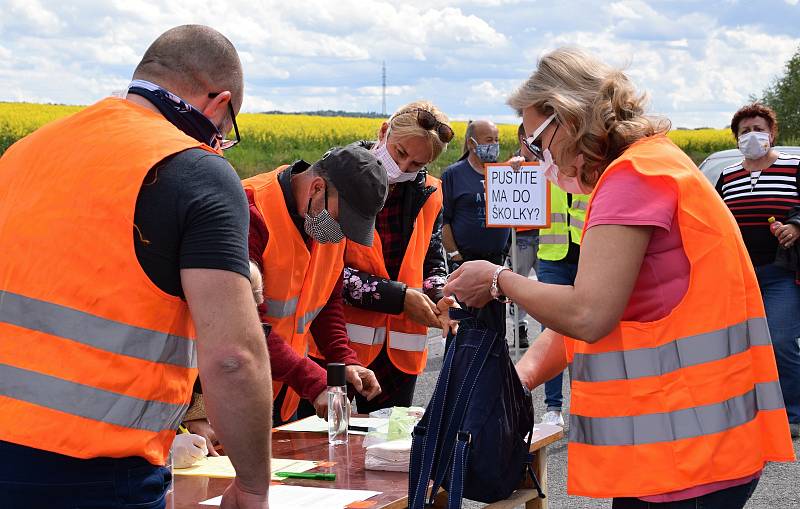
(391, 289)
(675, 393)
(300, 216)
(124, 270)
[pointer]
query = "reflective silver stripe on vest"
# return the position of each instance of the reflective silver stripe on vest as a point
(580, 204)
(575, 222)
(558, 217)
(408, 342)
(89, 402)
(681, 353)
(677, 425)
(281, 308)
(380, 335)
(96, 332)
(364, 335)
(306, 319)
(547, 238)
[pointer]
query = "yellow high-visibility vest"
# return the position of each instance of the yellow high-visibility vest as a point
(566, 221)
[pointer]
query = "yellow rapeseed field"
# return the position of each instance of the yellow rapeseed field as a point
(271, 140)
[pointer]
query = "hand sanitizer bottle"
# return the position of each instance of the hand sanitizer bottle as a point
(338, 404)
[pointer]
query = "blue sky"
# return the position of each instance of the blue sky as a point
(698, 60)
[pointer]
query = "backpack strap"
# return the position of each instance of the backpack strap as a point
(457, 474)
(425, 438)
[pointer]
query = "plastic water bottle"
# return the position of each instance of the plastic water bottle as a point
(338, 404)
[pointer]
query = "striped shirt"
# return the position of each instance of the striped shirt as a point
(755, 197)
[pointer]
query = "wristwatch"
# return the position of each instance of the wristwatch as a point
(453, 254)
(495, 290)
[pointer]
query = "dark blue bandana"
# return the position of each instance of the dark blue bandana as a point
(180, 113)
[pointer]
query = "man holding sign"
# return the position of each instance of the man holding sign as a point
(465, 234)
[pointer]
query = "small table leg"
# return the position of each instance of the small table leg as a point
(540, 469)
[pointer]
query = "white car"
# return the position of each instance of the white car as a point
(713, 165)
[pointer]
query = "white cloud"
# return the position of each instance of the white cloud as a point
(465, 55)
(623, 10)
(33, 15)
(377, 91)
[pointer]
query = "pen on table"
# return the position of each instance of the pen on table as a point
(307, 475)
(365, 429)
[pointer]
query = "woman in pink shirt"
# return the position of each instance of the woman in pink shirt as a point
(636, 274)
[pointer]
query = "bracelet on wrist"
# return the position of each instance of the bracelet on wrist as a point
(495, 289)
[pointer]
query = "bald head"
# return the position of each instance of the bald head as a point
(482, 129)
(482, 132)
(191, 60)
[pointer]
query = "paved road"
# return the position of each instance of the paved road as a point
(779, 487)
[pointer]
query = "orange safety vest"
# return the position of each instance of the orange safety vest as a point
(692, 398)
(297, 283)
(407, 341)
(95, 360)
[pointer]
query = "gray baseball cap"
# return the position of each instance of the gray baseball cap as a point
(361, 182)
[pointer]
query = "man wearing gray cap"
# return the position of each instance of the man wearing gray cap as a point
(299, 217)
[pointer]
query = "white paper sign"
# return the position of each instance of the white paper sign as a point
(517, 198)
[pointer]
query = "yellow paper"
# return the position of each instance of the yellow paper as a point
(221, 467)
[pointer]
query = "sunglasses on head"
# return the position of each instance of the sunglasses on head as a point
(530, 142)
(225, 144)
(429, 122)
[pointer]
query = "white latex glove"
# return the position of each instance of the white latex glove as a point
(187, 449)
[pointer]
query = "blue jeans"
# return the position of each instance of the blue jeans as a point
(32, 478)
(730, 498)
(782, 301)
(557, 273)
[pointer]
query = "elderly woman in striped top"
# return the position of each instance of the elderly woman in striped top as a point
(766, 184)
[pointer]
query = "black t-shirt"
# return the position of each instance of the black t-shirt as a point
(191, 213)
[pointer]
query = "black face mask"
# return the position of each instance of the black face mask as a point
(180, 113)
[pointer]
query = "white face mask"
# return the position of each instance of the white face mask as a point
(571, 185)
(393, 171)
(754, 145)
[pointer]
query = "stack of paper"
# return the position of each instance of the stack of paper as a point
(291, 497)
(315, 424)
(393, 456)
(220, 466)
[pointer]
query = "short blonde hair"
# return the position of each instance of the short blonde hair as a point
(403, 124)
(597, 106)
(256, 283)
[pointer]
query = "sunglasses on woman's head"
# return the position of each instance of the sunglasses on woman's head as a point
(429, 122)
(531, 143)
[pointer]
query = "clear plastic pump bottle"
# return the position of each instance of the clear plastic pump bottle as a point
(338, 404)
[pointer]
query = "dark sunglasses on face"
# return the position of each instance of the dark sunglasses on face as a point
(428, 121)
(225, 144)
(531, 143)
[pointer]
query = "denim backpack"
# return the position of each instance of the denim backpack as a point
(472, 438)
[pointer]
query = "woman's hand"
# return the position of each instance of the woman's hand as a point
(787, 234)
(471, 283)
(363, 381)
(420, 308)
(321, 404)
(447, 325)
